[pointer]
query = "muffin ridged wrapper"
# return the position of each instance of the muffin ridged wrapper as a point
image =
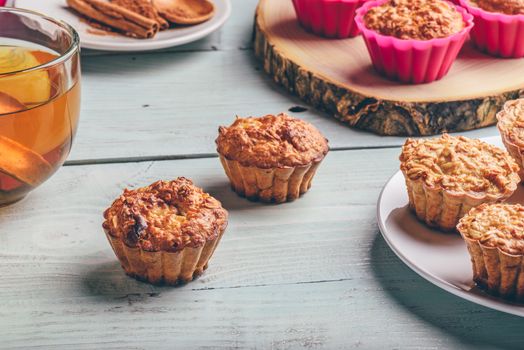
(513, 149)
(412, 61)
(329, 18)
(162, 267)
(495, 247)
(498, 34)
(165, 233)
(272, 158)
(277, 185)
(442, 209)
(515, 152)
(433, 199)
(498, 272)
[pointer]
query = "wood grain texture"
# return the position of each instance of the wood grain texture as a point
(347, 87)
(311, 274)
(171, 104)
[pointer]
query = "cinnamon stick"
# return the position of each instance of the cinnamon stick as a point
(22, 163)
(126, 21)
(17, 160)
(144, 8)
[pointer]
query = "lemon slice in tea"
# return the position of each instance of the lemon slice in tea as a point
(30, 88)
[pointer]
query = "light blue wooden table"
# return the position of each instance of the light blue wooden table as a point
(312, 274)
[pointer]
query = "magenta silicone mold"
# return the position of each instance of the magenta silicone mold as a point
(412, 61)
(496, 33)
(329, 18)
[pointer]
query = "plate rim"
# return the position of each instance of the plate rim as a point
(498, 304)
(144, 45)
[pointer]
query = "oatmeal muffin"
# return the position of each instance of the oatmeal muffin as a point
(165, 232)
(271, 158)
(508, 7)
(413, 41)
(511, 128)
(499, 26)
(415, 19)
(447, 176)
(494, 234)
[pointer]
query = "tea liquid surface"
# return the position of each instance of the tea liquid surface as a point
(38, 118)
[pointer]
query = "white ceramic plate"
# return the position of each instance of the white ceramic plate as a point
(172, 37)
(441, 258)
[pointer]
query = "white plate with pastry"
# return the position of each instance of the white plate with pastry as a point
(131, 31)
(440, 257)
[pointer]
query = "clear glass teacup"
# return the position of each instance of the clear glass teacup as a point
(39, 99)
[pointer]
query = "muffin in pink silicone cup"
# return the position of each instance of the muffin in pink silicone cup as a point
(329, 18)
(499, 26)
(413, 41)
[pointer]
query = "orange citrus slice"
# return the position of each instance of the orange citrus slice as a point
(29, 88)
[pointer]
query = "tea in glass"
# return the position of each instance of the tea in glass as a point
(39, 99)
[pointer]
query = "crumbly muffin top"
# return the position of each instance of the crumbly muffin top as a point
(271, 141)
(496, 225)
(511, 121)
(415, 19)
(508, 7)
(165, 216)
(460, 165)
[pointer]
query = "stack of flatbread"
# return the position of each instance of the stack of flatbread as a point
(143, 18)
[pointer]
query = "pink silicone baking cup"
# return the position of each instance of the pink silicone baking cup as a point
(412, 61)
(329, 18)
(496, 33)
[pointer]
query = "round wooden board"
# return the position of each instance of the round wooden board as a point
(337, 76)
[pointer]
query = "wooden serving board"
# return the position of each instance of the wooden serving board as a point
(337, 76)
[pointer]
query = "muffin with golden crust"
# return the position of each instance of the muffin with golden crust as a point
(447, 176)
(415, 19)
(494, 234)
(414, 41)
(165, 232)
(507, 7)
(511, 128)
(271, 158)
(498, 27)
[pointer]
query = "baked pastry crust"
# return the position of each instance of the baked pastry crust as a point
(271, 141)
(511, 128)
(508, 7)
(165, 232)
(447, 176)
(272, 158)
(494, 234)
(415, 19)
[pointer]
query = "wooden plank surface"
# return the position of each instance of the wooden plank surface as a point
(347, 87)
(312, 274)
(170, 104)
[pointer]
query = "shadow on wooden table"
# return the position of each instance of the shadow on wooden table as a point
(107, 282)
(110, 284)
(230, 200)
(469, 323)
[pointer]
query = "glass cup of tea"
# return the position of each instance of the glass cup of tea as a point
(39, 99)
